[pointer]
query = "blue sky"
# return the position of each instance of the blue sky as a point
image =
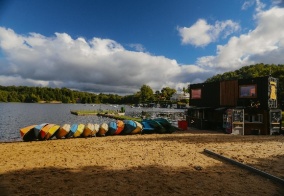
(115, 46)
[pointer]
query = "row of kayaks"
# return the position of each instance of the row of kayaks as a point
(46, 131)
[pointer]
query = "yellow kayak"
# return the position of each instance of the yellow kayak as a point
(27, 133)
(79, 130)
(138, 128)
(44, 131)
(51, 132)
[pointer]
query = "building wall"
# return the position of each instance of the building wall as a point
(229, 93)
(253, 95)
(210, 95)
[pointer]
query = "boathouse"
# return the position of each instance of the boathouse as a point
(241, 106)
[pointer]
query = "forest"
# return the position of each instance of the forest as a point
(64, 95)
(145, 95)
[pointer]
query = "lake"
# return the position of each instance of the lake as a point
(18, 115)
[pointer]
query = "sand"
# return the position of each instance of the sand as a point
(156, 164)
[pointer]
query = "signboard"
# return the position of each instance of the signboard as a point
(195, 93)
(238, 122)
(275, 121)
(275, 116)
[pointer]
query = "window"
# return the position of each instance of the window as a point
(195, 93)
(247, 91)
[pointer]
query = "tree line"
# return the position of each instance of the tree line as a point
(46, 94)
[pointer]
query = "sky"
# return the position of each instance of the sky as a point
(115, 47)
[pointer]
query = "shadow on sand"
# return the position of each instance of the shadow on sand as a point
(141, 180)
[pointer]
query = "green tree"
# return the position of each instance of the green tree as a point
(32, 98)
(167, 92)
(3, 96)
(146, 93)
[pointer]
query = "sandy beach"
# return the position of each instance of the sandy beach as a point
(156, 164)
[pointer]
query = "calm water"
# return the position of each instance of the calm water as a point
(17, 115)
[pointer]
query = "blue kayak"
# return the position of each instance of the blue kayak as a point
(147, 128)
(112, 127)
(156, 126)
(73, 129)
(129, 126)
(38, 128)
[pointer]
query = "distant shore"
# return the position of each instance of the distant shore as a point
(50, 102)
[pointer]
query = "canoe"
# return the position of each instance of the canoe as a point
(73, 129)
(138, 128)
(166, 124)
(103, 130)
(88, 130)
(147, 128)
(120, 127)
(27, 133)
(63, 130)
(96, 129)
(112, 127)
(156, 125)
(129, 126)
(37, 129)
(79, 130)
(51, 132)
(44, 130)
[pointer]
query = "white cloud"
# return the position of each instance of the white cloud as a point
(247, 4)
(264, 44)
(100, 65)
(103, 65)
(259, 6)
(138, 47)
(202, 34)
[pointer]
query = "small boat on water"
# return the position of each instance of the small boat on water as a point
(129, 126)
(38, 128)
(138, 128)
(103, 129)
(112, 127)
(120, 127)
(88, 130)
(44, 131)
(63, 130)
(79, 130)
(73, 129)
(52, 132)
(27, 133)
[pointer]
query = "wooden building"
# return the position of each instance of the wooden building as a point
(243, 106)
